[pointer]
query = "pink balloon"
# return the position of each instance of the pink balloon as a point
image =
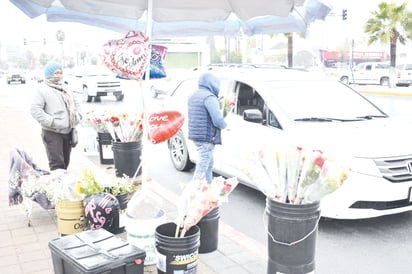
(128, 57)
(164, 125)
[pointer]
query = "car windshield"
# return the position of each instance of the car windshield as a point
(308, 100)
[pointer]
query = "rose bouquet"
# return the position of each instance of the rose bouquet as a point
(99, 121)
(228, 105)
(126, 127)
(296, 175)
(198, 198)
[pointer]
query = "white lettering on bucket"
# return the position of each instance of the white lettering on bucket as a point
(185, 259)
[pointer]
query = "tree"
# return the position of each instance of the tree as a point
(390, 24)
(60, 37)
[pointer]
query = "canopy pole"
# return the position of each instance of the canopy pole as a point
(145, 90)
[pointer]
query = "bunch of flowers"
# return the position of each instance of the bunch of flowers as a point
(88, 184)
(126, 127)
(99, 121)
(198, 198)
(296, 175)
(228, 105)
(47, 189)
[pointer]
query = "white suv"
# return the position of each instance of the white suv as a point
(94, 82)
(404, 75)
(280, 104)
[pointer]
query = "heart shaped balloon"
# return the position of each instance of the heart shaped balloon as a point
(164, 124)
(128, 57)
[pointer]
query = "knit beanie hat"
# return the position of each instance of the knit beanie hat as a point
(50, 68)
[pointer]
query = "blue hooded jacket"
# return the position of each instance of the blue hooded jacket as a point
(205, 118)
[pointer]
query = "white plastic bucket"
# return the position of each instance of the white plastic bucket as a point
(141, 233)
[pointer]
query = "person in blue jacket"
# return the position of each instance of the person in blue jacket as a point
(205, 122)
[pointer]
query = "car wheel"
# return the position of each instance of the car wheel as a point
(119, 97)
(345, 80)
(86, 97)
(179, 153)
(153, 92)
(385, 82)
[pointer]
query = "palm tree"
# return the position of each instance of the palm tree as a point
(391, 23)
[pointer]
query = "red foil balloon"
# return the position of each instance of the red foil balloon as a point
(164, 124)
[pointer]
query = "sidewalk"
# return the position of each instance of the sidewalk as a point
(24, 249)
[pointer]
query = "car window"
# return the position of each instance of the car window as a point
(184, 90)
(306, 99)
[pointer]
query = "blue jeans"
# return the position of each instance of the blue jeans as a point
(204, 165)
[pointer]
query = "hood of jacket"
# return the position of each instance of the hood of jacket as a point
(211, 82)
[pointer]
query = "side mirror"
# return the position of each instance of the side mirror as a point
(253, 115)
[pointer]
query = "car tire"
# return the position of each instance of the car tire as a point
(179, 153)
(345, 80)
(119, 97)
(86, 97)
(384, 82)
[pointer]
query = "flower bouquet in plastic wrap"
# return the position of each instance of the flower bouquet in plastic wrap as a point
(295, 174)
(198, 198)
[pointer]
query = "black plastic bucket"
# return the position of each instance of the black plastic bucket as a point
(174, 254)
(127, 158)
(105, 148)
(209, 231)
(292, 233)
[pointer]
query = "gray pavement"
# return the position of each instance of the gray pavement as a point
(24, 249)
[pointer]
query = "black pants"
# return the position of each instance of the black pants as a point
(58, 149)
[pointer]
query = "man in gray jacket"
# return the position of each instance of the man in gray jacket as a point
(58, 113)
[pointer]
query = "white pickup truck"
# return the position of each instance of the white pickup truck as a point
(94, 82)
(368, 73)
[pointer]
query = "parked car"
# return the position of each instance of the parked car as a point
(163, 86)
(94, 81)
(404, 75)
(273, 105)
(368, 73)
(16, 76)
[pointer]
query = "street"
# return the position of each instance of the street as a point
(380, 245)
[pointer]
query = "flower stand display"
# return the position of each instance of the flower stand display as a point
(292, 233)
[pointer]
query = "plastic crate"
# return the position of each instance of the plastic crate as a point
(95, 251)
